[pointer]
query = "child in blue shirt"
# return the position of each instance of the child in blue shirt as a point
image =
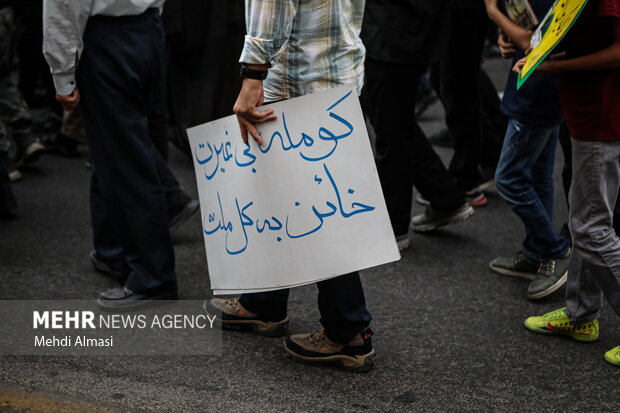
(524, 175)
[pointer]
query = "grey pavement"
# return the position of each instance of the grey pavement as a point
(449, 332)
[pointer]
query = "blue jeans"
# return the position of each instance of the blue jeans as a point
(524, 178)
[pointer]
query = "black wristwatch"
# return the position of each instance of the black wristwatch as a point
(252, 74)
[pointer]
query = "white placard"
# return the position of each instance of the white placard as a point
(305, 206)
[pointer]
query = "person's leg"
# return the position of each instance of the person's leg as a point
(343, 307)
(595, 264)
(5, 143)
(17, 115)
(593, 202)
(456, 78)
(115, 106)
(494, 125)
(175, 196)
(106, 241)
(268, 306)
(584, 297)
(345, 338)
(524, 178)
(181, 206)
(8, 203)
(403, 155)
(567, 170)
(543, 171)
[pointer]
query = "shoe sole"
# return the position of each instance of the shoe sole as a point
(479, 201)
(185, 214)
(551, 289)
(254, 325)
(356, 364)
(582, 339)
(443, 222)
(504, 271)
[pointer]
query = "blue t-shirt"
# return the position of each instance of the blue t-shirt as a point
(537, 103)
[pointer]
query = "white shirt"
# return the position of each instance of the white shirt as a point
(64, 22)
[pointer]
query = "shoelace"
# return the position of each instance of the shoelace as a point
(317, 336)
(556, 314)
(521, 258)
(233, 303)
(548, 266)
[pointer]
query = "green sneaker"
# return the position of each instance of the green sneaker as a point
(613, 356)
(550, 277)
(518, 266)
(558, 323)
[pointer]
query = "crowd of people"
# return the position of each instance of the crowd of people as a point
(108, 59)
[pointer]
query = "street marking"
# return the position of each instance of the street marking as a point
(27, 402)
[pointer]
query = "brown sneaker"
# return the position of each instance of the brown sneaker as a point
(233, 316)
(358, 355)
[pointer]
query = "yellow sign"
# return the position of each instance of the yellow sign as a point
(550, 32)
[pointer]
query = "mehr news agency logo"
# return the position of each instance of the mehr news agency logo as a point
(87, 320)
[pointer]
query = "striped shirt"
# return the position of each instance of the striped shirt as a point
(313, 45)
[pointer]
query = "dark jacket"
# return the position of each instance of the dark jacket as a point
(406, 31)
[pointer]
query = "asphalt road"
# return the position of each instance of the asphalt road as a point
(449, 332)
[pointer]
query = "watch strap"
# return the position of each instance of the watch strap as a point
(252, 74)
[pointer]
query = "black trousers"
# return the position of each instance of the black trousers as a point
(494, 124)
(341, 303)
(119, 79)
(456, 80)
(403, 155)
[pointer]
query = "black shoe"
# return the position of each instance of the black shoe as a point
(518, 265)
(432, 218)
(551, 275)
(178, 215)
(123, 299)
(103, 267)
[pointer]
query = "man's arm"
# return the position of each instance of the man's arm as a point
(608, 58)
(63, 26)
(517, 34)
(269, 24)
